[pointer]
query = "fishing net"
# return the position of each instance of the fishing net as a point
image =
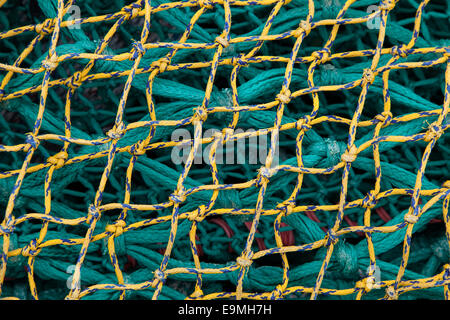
(346, 102)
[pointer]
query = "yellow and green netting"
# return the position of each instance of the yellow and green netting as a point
(350, 100)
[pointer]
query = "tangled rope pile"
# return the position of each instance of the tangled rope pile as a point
(94, 208)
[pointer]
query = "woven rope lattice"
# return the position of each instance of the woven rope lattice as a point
(109, 222)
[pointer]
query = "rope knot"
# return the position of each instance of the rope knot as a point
(138, 149)
(391, 293)
(388, 5)
(331, 237)
(370, 200)
(31, 250)
(367, 284)
(93, 214)
(50, 63)
(8, 226)
(277, 293)
(264, 174)
(132, 11)
(200, 114)
(350, 154)
(286, 207)
(284, 96)
(303, 27)
(74, 295)
(116, 132)
(160, 275)
(45, 27)
(196, 294)
(75, 81)
(222, 41)
(116, 228)
(58, 159)
(178, 196)
(138, 50)
(368, 77)
(400, 50)
(245, 261)
(161, 65)
(321, 55)
(303, 123)
(197, 215)
(239, 60)
(226, 134)
(446, 274)
(446, 184)
(410, 218)
(385, 118)
(434, 132)
(32, 141)
(205, 4)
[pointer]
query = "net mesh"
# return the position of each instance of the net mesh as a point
(350, 201)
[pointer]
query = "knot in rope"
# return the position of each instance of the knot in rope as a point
(400, 50)
(244, 261)
(303, 27)
(225, 134)
(205, 4)
(239, 60)
(434, 132)
(222, 41)
(284, 96)
(286, 207)
(45, 27)
(446, 184)
(446, 274)
(388, 5)
(350, 154)
(367, 284)
(116, 132)
(277, 293)
(132, 11)
(161, 65)
(75, 81)
(391, 293)
(321, 55)
(8, 226)
(138, 50)
(31, 250)
(50, 63)
(196, 294)
(385, 118)
(197, 215)
(177, 197)
(304, 123)
(200, 114)
(160, 275)
(331, 237)
(75, 295)
(138, 149)
(93, 214)
(32, 141)
(368, 77)
(116, 228)
(58, 159)
(264, 174)
(370, 200)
